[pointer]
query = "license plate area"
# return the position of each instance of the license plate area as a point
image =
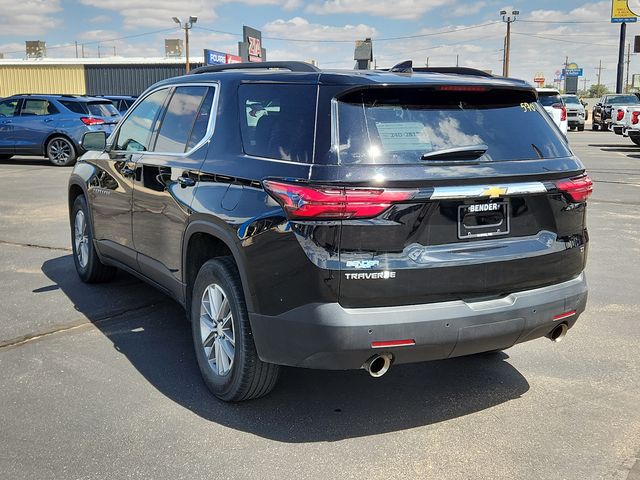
(485, 219)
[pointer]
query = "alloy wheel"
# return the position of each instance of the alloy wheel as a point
(81, 239)
(216, 329)
(60, 151)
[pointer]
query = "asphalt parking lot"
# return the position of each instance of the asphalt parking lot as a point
(101, 382)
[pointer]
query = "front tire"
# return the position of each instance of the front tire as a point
(581, 128)
(594, 126)
(61, 152)
(89, 267)
(222, 335)
(635, 139)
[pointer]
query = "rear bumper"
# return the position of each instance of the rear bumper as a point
(328, 336)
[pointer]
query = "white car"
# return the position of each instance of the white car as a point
(554, 105)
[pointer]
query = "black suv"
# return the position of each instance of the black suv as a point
(338, 219)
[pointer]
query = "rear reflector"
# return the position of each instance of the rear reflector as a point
(334, 203)
(462, 88)
(634, 118)
(578, 188)
(393, 343)
(92, 121)
(564, 315)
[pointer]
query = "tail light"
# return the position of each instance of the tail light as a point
(620, 115)
(578, 188)
(563, 111)
(634, 117)
(314, 202)
(91, 121)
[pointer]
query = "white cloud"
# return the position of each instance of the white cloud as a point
(29, 17)
(300, 28)
(100, 19)
(398, 9)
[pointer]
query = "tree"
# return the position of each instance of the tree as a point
(597, 91)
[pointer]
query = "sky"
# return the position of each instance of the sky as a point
(472, 31)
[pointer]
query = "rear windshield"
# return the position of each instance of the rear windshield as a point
(571, 99)
(547, 99)
(102, 109)
(622, 99)
(400, 126)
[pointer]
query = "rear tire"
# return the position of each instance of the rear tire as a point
(635, 139)
(61, 152)
(594, 126)
(89, 267)
(222, 335)
(581, 128)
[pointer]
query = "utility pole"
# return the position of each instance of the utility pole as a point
(566, 64)
(427, 62)
(76, 42)
(599, 71)
(114, 50)
(82, 46)
(457, 60)
(508, 19)
(186, 26)
(626, 84)
(98, 50)
(584, 85)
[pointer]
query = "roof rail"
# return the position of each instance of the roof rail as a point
(291, 66)
(453, 70)
(407, 67)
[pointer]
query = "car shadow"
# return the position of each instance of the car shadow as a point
(307, 405)
(27, 161)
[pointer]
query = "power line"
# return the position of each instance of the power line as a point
(382, 39)
(561, 40)
(565, 21)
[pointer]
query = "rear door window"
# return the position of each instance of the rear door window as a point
(75, 107)
(278, 121)
(37, 107)
(181, 117)
(549, 99)
(401, 125)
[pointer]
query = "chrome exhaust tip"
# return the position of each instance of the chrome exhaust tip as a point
(378, 365)
(558, 333)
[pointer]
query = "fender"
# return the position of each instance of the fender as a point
(204, 225)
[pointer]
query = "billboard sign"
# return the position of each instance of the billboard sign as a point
(233, 58)
(572, 70)
(212, 57)
(250, 49)
(621, 13)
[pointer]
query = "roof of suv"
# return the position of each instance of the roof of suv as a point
(73, 98)
(299, 72)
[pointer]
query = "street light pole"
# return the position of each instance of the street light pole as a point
(188, 25)
(508, 19)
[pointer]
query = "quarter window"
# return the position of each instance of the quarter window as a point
(136, 130)
(278, 121)
(181, 118)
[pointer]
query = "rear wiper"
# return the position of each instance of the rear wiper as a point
(465, 152)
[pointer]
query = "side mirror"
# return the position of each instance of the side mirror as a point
(598, 104)
(94, 141)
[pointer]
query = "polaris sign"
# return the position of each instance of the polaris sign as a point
(211, 57)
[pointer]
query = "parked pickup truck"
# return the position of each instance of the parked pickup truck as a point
(605, 112)
(631, 127)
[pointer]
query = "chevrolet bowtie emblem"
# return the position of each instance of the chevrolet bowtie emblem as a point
(494, 192)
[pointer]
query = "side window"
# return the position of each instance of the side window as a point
(37, 107)
(75, 107)
(136, 130)
(180, 119)
(202, 120)
(278, 121)
(8, 107)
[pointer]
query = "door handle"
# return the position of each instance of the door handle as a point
(186, 182)
(127, 172)
(47, 120)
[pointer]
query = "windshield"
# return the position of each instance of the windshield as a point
(571, 99)
(102, 109)
(548, 99)
(390, 126)
(622, 99)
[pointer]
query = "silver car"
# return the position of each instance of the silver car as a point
(575, 112)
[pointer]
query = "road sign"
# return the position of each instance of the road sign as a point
(211, 57)
(621, 13)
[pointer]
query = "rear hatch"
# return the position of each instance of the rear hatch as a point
(101, 114)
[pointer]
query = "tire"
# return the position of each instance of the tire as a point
(241, 375)
(594, 127)
(581, 128)
(61, 152)
(635, 139)
(5, 156)
(89, 267)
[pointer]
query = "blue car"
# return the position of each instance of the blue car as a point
(52, 125)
